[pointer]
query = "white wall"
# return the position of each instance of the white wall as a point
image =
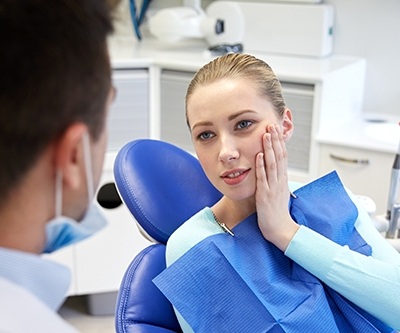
(371, 29)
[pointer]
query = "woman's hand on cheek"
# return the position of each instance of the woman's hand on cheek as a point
(272, 192)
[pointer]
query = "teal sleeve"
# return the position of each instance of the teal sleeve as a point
(373, 283)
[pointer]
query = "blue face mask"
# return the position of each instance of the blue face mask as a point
(62, 230)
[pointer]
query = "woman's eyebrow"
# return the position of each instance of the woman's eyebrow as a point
(238, 114)
(202, 123)
(230, 118)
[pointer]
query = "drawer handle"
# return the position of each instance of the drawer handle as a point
(349, 160)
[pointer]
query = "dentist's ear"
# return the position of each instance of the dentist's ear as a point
(287, 125)
(69, 155)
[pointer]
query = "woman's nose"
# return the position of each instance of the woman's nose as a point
(228, 150)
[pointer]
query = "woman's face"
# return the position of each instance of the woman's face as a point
(227, 120)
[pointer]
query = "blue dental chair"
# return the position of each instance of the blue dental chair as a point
(162, 186)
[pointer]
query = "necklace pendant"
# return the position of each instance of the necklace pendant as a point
(226, 229)
(223, 225)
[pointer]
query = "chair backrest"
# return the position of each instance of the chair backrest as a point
(162, 186)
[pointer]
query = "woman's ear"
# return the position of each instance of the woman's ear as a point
(69, 157)
(287, 125)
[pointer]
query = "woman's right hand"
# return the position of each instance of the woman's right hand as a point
(272, 191)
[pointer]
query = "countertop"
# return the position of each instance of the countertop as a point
(191, 55)
(370, 131)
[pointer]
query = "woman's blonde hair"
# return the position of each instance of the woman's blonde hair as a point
(240, 66)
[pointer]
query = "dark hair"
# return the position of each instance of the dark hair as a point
(54, 71)
(240, 66)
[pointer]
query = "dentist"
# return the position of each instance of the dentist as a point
(55, 92)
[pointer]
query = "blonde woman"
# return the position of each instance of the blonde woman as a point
(271, 255)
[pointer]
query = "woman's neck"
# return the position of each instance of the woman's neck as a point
(233, 212)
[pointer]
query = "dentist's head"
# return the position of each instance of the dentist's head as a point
(55, 91)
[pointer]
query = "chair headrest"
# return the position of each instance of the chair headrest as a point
(162, 186)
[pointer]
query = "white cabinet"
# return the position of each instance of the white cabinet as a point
(364, 172)
(98, 263)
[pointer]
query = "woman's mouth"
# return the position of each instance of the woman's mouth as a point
(234, 177)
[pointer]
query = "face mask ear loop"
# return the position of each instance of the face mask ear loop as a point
(58, 198)
(88, 166)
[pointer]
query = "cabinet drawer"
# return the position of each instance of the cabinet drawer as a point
(299, 99)
(172, 100)
(129, 114)
(364, 172)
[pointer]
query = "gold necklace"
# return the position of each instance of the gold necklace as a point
(223, 225)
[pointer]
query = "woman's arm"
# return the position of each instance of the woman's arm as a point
(373, 283)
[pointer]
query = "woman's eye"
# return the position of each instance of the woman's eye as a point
(205, 136)
(244, 124)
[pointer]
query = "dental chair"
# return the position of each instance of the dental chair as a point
(162, 186)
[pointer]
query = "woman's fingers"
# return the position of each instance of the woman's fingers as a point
(269, 158)
(262, 184)
(275, 154)
(280, 154)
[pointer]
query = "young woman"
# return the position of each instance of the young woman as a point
(310, 259)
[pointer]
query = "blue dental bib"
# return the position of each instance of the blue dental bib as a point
(246, 284)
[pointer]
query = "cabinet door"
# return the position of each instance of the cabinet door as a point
(364, 172)
(172, 114)
(101, 261)
(299, 99)
(129, 114)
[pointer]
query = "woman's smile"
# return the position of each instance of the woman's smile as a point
(235, 177)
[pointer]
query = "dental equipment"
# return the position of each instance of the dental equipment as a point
(138, 16)
(393, 208)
